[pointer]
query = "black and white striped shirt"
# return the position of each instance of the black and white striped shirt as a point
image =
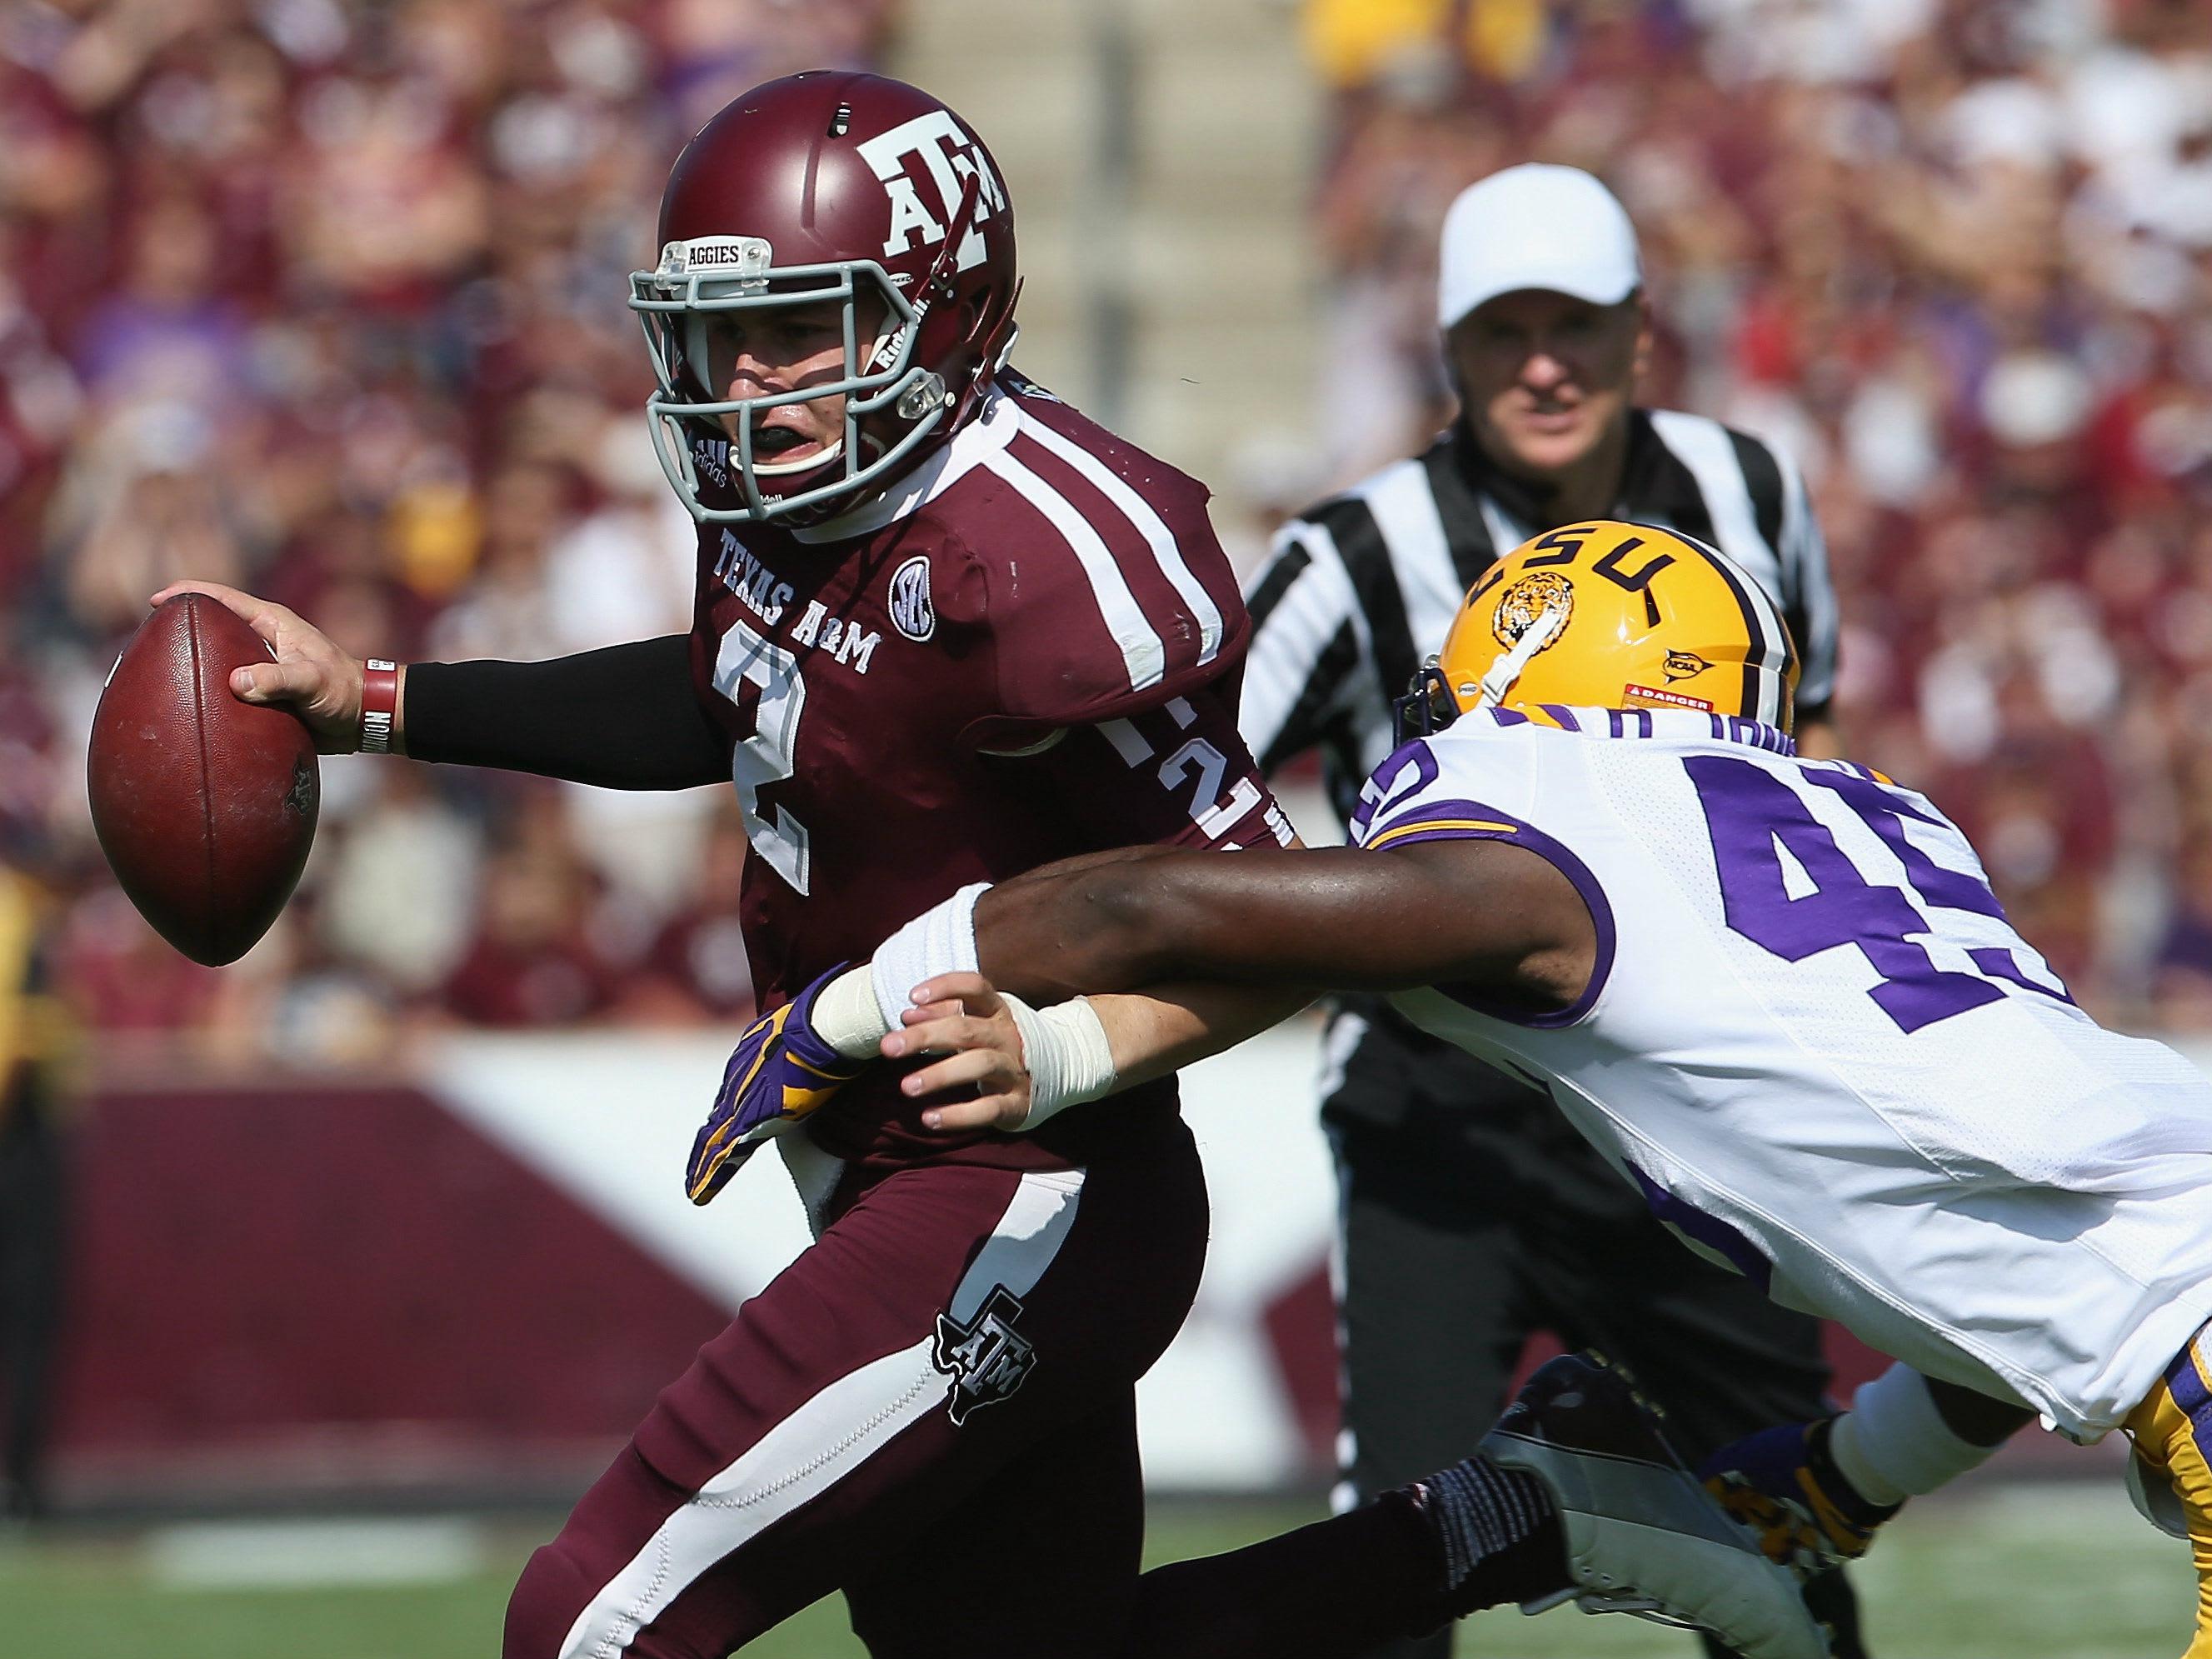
(1361, 588)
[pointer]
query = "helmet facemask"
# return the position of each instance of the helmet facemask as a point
(687, 305)
(1427, 707)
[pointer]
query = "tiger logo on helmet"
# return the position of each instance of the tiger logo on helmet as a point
(1523, 603)
(1612, 615)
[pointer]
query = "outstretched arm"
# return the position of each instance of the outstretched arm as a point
(1249, 928)
(625, 717)
(1484, 913)
(1493, 917)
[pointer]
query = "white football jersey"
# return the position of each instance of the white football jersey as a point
(1816, 1044)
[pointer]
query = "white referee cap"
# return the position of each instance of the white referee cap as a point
(1535, 226)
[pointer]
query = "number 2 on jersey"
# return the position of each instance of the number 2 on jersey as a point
(767, 757)
(1749, 812)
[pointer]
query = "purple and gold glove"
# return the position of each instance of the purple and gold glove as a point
(780, 1071)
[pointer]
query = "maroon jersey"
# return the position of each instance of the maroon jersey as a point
(1026, 650)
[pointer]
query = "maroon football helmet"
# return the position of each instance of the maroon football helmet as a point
(826, 188)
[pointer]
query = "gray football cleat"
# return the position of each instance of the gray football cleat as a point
(1643, 1536)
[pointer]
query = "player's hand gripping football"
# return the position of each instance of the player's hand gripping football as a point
(780, 1071)
(961, 1017)
(311, 675)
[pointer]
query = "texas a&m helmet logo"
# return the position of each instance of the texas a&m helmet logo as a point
(950, 157)
(987, 1358)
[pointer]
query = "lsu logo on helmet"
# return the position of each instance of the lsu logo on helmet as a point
(1524, 603)
(1613, 615)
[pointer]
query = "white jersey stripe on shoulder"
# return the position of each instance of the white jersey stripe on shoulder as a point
(822, 1443)
(1142, 653)
(1141, 513)
(1419, 552)
(1704, 446)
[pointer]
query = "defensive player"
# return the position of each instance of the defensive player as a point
(947, 629)
(1776, 993)
(1470, 1213)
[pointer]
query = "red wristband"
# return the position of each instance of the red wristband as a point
(379, 703)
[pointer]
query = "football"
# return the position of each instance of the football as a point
(204, 805)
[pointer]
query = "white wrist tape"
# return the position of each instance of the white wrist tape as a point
(940, 940)
(1066, 1050)
(1894, 1442)
(846, 1016)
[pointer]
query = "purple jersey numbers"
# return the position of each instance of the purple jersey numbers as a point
(1749, 811)
(1885, 811)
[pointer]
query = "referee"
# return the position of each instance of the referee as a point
(1472, 1214)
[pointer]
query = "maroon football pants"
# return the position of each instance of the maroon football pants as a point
(933, 1410)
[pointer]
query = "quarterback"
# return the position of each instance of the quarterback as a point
(947, 629)
(1777, 993)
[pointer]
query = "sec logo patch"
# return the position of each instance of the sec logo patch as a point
(912, 613)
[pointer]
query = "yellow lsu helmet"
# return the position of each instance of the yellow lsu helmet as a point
(1611, 615)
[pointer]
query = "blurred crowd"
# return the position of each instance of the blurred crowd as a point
(1957, 256)
(324, 297)
(325, 300)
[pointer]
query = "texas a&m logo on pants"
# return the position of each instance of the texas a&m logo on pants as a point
(987, 1358)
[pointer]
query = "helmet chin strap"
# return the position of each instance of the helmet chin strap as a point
(1507, 669)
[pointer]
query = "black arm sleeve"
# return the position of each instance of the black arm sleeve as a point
(625, 718)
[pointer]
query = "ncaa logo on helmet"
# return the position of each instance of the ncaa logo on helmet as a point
(912, 613)
(951, 156)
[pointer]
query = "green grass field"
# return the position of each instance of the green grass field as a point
(2037, 1571)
